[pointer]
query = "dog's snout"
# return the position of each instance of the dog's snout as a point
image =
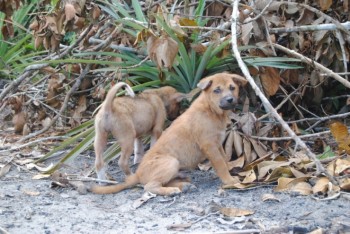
(229, 99)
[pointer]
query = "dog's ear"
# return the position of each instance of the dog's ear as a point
(204, 83)
(240, 80)
(178, 97)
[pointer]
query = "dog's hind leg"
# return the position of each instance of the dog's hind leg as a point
(163, 170)
(99, 145)
(127, 147)
(138, 150)
(183, 185)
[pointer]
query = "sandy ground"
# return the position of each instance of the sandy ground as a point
(34, 206)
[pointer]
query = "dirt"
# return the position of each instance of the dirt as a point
(35, 206)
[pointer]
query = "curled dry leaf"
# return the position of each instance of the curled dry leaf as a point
(40, 176)
(235, 212)
(5, 169)
(294, 185)
(31, 193)
(270, 80)
(269, 197)
(238, 143)
(341, 165)
(178, 226)
(250, 177)
(239, 162)
(145, 197)
(321, 186)
(325, 4)
(30, 166)
(229, 146)
(162, 50)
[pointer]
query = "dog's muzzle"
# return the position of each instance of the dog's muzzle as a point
(228, 102)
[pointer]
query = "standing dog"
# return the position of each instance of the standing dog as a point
(193, 137)
(128, 118)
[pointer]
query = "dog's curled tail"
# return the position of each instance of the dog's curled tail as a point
(130, 181)
(111, 94)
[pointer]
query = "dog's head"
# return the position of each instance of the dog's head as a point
(222, 89)
(172, 100)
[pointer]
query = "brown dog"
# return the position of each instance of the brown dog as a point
(128, 118)
(193, 137)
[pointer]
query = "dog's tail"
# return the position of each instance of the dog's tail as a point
(130, 181)
(111, 94)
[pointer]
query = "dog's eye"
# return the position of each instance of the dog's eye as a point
(217, 90)
(232, 87)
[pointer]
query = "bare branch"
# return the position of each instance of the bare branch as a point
(320, 169)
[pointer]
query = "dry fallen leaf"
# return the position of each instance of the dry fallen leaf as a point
(4, 170)
(40, 176)
(162, 50)
(145, 197)
(269, 197)
(321, 186)
(235, 212)
(270, 80)
(31, 193)
(178, 226)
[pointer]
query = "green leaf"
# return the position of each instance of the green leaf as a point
(328, 153)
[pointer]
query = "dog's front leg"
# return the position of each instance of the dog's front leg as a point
(214, 154)
(138, 150)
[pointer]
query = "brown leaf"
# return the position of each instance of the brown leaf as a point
(247, 31)
(250, 177)
(239, 162)
(270, 80)
(293, 184)
(238, 143)
(5, 169)
(341, 165)
(69, 11)
(321, 186)
(265, 166)
(162, 50)
(345, 184)
(249, 156)
(325, 4)
(269, 197)
(229, 146)
(258, 148)
(145, 197)
(235, 212)
(31, 193)
(96, 12)
(179, 226)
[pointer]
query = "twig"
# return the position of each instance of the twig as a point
(321, 119)
(260, 14)
(342, 47)
(33, 142)
(313, 64)
(304, 28)
(90, 179)
(318, 134)
(268, 38)
(63, 107)
(320, 169)
(320, 13)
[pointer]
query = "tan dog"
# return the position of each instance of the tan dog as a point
(193, 137)
(128, 118)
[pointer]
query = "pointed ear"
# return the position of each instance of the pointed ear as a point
(240, 80)
(204, 83)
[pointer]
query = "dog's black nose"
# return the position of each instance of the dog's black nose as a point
(229, 99)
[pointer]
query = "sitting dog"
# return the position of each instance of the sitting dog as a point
(196, 135)
(130, 117)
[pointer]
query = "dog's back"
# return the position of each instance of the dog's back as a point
(143, 111)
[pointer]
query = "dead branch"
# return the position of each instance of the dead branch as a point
(319, 168)
(63, 107)
(30, 69)
(338, 25)
(314, 64)
(304, 28)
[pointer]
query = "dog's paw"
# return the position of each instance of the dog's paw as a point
(188, 187)
(174, 192)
